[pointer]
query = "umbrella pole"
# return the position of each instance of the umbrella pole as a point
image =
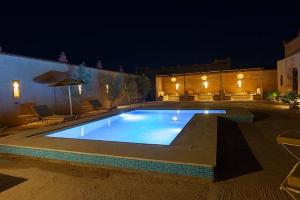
(70, 100)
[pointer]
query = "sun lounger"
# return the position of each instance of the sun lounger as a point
(291, 183)
(90, 107)
(97, 105)
(45, 114)
(27, 114)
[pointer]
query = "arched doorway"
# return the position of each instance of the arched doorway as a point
(295, 80)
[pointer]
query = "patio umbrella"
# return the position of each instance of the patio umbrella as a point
(68, 82)
(50, 77)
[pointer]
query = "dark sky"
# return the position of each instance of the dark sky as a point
(156, 35)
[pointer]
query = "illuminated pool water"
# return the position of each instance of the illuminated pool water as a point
(137, 126)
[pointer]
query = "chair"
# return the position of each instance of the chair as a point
(45, 114)
(93, 107)
(27, 114)
(291, 183)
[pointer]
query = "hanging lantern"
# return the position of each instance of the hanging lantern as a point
(240, 76)
(173, 79)
(204, 78)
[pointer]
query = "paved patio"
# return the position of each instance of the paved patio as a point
(252, 166)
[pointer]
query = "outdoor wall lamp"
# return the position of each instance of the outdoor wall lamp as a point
(80, 89)
(16, 89)
(106, 88)
(173, 79)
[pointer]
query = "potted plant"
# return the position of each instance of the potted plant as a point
(291, 98)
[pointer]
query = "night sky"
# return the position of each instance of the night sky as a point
(157, 35)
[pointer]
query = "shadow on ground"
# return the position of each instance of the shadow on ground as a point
(259, 115)
(234, 156)
(7, 181)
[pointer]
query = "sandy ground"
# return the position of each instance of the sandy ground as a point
(252, 166)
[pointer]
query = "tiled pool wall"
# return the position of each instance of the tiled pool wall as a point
(206, 172)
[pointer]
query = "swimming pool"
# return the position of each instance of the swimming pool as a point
(137, 126)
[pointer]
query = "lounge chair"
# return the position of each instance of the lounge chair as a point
(93, 106)
(45, 114)
(27, 115)
(291, 183)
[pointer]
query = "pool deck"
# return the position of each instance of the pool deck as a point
(192, 153)
(253, 167)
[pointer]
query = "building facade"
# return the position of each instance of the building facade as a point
(19, 84)
(242, 84)
(288, 68)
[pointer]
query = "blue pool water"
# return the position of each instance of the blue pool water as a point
(137, 126)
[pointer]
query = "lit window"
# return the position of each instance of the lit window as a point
(16, 89)
(205, 84)
(239, 83)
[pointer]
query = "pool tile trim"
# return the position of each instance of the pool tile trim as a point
(196, 170)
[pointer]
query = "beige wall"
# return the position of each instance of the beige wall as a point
(250, 82)
(270, 80)
(285, 69)
(169, 87)
(26, 69)
(195, 83)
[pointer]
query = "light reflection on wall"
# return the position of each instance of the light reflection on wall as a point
(239, 83)
(205, 84)
(82, 131)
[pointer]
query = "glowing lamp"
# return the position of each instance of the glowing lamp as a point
(239, 83)
(204, 78)
(16, 89)
(205, 84)
(106, 88)
(240, 76)
(177, 86)
(80, 89)
(173, 79)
